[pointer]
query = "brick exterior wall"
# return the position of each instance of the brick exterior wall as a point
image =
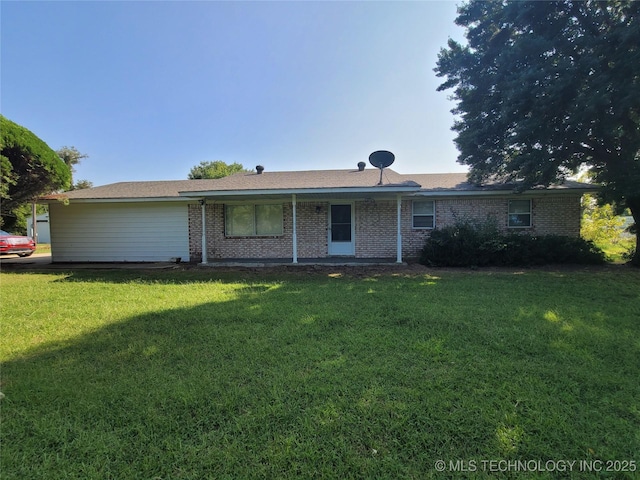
(551, 214)
(558, 214)
(375, 226)
(219, 246)
(313, 229)
(195, 233)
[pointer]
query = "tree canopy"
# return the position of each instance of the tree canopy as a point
(215, 169)
(71, 156)
(543, 88)
(29, 168)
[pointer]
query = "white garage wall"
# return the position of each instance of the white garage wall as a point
(119, 232)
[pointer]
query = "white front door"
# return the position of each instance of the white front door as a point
(341, 229)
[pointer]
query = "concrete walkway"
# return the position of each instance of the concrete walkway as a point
(35, 259)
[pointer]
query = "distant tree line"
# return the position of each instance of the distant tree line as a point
(215, 169)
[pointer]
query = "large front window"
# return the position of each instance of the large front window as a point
(253, 220)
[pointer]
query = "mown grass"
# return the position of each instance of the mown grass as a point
(196, 374)
(43, 248)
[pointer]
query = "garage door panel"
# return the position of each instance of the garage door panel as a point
(119, 232)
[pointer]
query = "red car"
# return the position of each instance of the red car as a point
(22, 246)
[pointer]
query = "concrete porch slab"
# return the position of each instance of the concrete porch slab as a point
(278, 262)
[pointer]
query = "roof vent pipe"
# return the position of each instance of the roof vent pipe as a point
(361, 166)
(259, 169)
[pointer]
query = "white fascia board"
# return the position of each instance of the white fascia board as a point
(121, 200)
(300, 191)
(495, 193)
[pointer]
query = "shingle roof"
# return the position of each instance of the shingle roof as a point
(306, 179)
(441, 181)
(436, 182)
(155, 189)
(310, 179)
(287, 181)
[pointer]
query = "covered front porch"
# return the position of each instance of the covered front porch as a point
(316, 228)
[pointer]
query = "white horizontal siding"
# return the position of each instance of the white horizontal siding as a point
(119, 232)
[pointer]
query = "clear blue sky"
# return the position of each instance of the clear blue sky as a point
(150, 89)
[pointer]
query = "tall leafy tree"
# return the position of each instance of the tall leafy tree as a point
(72, 157)
(215, 169)
(82, 184)
(29, 168)
(543, 88)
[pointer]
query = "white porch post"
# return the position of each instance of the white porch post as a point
(399, 233)
(295, 228)
(203, 205)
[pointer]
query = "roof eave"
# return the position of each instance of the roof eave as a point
(115, 200)
(502, 192)
(385, 189)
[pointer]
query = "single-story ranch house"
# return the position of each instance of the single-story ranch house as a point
(299, 216)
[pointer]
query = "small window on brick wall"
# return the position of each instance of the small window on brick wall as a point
(252, 220)
(519, 215)
(424, 214)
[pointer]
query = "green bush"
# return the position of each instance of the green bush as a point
(463, 244)
(600, 223)
(471, 244)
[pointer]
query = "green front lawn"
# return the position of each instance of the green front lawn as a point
(196, 374)
(43, 248)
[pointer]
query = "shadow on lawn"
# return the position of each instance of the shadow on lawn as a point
(263, 384)
(291, 380)
(191, 273)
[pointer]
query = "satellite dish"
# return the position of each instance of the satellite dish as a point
(381, 159)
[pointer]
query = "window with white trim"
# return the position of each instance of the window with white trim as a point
(261, 220)
(519, 214)
(424, 214)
